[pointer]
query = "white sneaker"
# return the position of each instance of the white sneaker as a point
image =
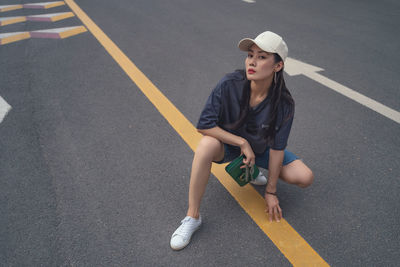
(260, 179)
(181, 237)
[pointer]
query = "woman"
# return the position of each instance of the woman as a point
(249, 112)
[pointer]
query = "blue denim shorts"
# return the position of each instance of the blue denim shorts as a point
(262, 160)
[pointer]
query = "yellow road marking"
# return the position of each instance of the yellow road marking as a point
(72, 32)
(60, 3)
(9, 8)
(12, 20)
(14, 37)
(62, 16)
(288, 241)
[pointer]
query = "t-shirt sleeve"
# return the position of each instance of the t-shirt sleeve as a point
(210, 115)
(282, 135)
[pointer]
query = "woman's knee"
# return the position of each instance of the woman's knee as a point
(209, 146)
(306, 178)
(297, 173)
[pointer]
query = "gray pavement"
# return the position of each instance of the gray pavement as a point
(92, 175)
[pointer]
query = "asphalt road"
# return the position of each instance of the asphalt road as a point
(92, 175)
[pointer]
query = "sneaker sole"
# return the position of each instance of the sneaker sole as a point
(180, 248)
(258, 183)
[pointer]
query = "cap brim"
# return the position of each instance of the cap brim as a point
(245, 44)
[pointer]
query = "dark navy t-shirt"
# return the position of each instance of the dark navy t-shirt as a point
(223, 108)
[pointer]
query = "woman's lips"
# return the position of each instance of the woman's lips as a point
(251, 71)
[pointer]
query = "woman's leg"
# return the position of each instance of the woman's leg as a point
(297, 173)
(209, 149)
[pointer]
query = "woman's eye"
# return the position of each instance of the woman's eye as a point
(262, 57)
(249, 56)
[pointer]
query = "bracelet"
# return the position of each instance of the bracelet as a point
(266, 192)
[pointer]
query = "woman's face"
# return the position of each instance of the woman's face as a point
(260, 65)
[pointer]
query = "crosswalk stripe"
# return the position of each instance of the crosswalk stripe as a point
(50, 17)
(58, 33)
(44, 5)
(6, 38)
(11, 20)
(42, 17)
(5, 8)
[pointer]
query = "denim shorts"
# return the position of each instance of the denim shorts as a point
(262, 160)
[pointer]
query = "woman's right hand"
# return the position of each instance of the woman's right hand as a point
(250, 158)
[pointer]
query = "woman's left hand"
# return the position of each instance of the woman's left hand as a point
(272, 207)
(247, 151)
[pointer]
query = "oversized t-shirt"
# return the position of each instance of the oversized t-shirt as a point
(223, 108)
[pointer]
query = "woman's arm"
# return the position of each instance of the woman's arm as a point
(274, 169)
(231, 139)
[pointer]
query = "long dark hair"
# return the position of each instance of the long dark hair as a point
(279, 95)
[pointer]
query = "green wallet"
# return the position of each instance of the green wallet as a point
(241, 175)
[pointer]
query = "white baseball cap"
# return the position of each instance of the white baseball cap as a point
(267, 41)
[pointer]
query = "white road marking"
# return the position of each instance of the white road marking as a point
(295, 67)
(57, 30)
(9, 34)
(8, 18)
(47, 17)
(58, 33)
(4, 108)
(44, 5)
(249, 1)
(9, 7)
(10, 37)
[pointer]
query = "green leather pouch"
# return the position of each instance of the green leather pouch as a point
(241, 175)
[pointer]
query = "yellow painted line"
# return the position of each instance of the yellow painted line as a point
(9, 8)
(12, 20)
(288, 241)
(60, 3)
(14, 37)
(72, 32)
(62, 16)
(43, 5)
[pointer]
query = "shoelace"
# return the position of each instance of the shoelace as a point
(185, 228)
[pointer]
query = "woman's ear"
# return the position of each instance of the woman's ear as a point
(278, 66)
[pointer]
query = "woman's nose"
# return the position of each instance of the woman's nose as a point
(252, 62)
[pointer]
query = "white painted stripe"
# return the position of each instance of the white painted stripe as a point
(4, 108)
(9, 18)
(56, 30)
(8, 6)
(249, 1)
(48, 15)
(42, 3)
(296, 67)
(362, 99)
(9, 34)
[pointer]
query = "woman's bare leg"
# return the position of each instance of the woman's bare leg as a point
(209, 149)
(297, 173)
